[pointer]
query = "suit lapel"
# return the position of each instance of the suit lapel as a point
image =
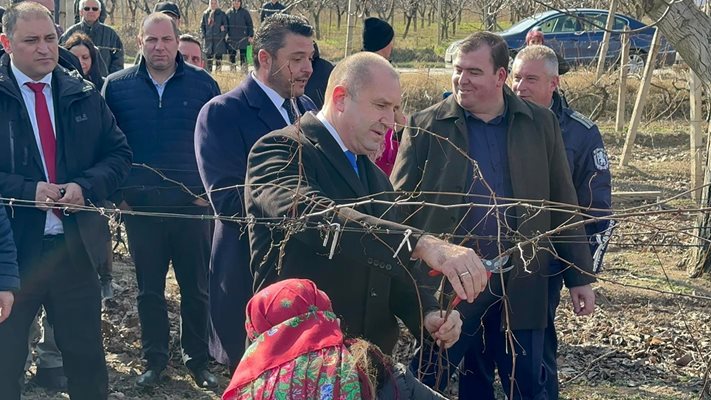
(318, 134)
(266, 110)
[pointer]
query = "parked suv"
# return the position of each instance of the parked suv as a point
(576, 34)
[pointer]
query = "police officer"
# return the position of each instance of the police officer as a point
(535, 78)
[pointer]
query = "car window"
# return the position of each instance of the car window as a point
(597, 22)
(564, 23)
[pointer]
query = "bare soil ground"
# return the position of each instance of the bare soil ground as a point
(642, 343)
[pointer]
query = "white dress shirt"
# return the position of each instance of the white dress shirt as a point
(52, 224)
(321, 117)
(274, 97)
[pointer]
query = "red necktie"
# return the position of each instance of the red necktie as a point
(46, 134)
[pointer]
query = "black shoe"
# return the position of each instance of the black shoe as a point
(150, 378)
(51, 378)
(204, 378)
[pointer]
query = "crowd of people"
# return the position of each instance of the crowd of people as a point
(331, 221)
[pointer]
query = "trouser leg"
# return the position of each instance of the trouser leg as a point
(74, 310)
(48, 355)
(550, 346)
(190, 252)
(147, 243)
(13, 342)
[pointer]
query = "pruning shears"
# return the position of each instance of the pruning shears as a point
(495, 265)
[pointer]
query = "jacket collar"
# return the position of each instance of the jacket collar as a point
(317, 133)
(449, 108)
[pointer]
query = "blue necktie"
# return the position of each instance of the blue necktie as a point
(353, 160)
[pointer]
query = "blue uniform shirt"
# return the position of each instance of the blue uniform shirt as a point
(590, 169)
(488, 147)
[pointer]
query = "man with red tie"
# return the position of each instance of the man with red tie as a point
(60, 153)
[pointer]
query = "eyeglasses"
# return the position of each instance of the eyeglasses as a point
(91, 8)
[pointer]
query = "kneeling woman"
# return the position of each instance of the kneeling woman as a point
(298, 352)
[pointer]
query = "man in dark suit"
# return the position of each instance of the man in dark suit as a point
(227, 127)
(302, 183)
(58, 161)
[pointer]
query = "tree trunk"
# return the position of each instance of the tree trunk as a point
(689, 31)
(408, 20)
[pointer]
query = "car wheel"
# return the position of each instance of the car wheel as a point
(636, 63)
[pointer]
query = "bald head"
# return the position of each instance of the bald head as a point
(356, 72)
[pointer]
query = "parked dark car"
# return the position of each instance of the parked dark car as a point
(576, 34)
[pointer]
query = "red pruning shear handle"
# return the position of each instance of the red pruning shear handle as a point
(494, 266)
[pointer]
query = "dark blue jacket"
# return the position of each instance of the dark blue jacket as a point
(227, 128)
(9, 274)
(590, 169)
(160, 131)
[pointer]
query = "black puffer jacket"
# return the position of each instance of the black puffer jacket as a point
(160, 131)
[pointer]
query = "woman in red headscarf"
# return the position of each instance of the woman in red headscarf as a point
(298, 353)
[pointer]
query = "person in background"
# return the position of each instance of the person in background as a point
(93, 68)
(57, 251)
(77, 14)
(535, 78)
(240, 34)
(320, 363)
(156, 104)
(170, 9)
(214, 28)
(378, 38)
(536, 37)
(104, 37)
(270, 8)
(191, 50)
(316, 86)
(264, 101)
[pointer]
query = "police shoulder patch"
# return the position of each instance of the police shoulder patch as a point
(587, 122)
(600, 158)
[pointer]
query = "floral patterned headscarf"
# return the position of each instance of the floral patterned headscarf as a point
(297, 349)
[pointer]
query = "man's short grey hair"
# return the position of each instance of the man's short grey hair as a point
(356, 71)
(540, 52)
(24, 10)
(82, 3)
